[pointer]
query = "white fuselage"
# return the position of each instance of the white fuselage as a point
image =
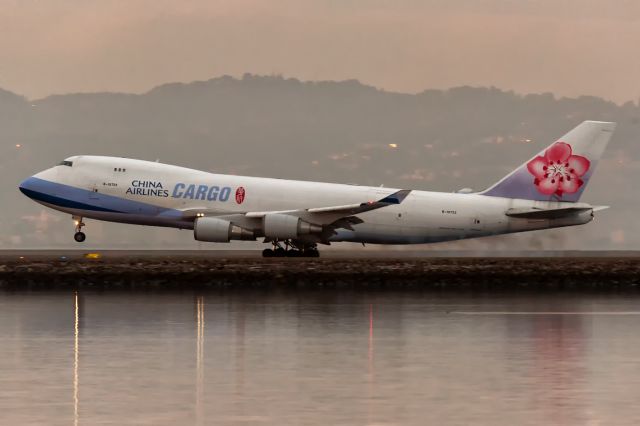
(148, 193)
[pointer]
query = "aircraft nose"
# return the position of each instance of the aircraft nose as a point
(27, 186)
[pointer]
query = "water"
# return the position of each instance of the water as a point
(318, 359)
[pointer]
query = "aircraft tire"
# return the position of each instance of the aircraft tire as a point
(79, 237)
(279, 252)
(267, 253)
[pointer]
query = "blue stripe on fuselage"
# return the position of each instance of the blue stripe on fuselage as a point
(77, 198)
(62, 202)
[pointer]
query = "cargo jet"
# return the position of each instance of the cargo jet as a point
(295, 216)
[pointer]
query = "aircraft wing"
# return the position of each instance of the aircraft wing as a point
(323, 215)
(336, 216)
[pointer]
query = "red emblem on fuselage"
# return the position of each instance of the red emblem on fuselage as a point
(239, 195)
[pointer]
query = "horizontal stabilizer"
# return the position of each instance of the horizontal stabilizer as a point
(534, 213)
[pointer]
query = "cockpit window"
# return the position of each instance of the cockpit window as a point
(66, 163)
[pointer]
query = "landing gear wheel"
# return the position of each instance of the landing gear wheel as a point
(79, 236)
(291, 248)
(310, 253)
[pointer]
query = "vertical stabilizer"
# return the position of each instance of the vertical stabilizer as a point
(562, 171)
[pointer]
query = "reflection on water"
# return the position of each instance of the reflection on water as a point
(200, 357)
(76, 329)
(318, 358)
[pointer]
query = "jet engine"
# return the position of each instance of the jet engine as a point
(283, 226)
(216, 230)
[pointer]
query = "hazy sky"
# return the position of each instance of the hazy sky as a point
(569, 47)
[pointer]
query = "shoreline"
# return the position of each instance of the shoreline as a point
(186, 272)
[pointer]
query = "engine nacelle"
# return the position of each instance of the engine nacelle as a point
(216, 230)
(283, 226)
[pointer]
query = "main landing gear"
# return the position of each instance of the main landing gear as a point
(291, 249)
(79, 236)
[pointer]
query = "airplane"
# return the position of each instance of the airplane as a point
(296, 216)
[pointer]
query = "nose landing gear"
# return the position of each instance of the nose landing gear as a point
(79, 236)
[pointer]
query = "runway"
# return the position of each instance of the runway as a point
(246, 270)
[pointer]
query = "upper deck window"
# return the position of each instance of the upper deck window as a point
(66, 163)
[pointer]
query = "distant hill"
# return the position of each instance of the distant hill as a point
(330, 131)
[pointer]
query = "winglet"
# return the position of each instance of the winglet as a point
(396, 197)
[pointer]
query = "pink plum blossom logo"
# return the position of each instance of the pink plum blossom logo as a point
(559, 171)
(240, 193)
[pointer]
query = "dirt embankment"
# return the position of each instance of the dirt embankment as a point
(359, 274)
